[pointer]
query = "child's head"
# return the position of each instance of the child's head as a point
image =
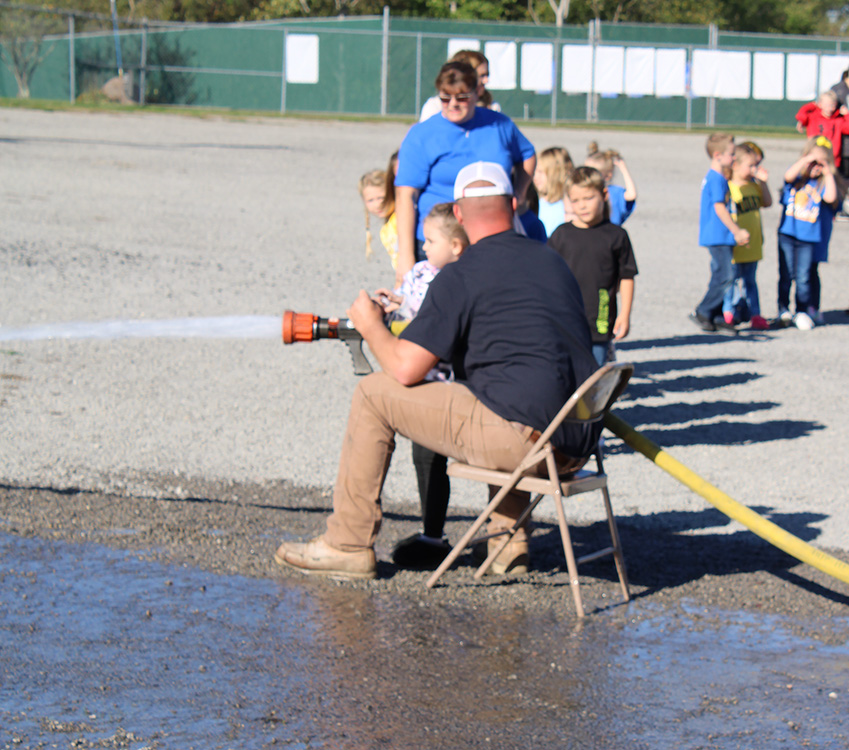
(820, 149)
(756, 150)
(720, 148)
(586, 191)
(445, 238)
(372, 189)
(745, 163)
(554, 165)
(827, 103)
(603, 161)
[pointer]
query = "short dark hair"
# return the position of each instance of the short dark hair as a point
(457, 74)
(845, 75)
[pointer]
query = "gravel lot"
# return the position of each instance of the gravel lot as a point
(144, 483)
(136, 216)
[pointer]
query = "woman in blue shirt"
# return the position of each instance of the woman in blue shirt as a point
(434, 151)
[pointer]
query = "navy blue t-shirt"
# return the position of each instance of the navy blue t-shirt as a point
(509, 317)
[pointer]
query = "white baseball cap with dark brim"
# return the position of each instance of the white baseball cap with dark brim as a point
(482, 171)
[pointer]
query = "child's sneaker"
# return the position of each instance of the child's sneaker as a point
(785, 319)
(759, 323)
(729, 318)
(803, 321)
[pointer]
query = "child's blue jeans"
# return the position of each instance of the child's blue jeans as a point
(746, 272)
(721, 278)
(795, 258)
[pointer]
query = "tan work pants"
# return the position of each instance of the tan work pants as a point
(444, 417)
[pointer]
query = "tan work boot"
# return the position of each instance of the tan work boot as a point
(319, 558)
(514, 558)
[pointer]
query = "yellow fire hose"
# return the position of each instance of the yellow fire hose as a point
(759, 525)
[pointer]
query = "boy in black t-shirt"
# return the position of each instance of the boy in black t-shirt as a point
(600, 256)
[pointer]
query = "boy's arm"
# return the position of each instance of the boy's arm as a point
(741, 236)
(630, 185)
(622, 324)
(804, 114)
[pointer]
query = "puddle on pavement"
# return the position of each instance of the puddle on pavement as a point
(101, 648)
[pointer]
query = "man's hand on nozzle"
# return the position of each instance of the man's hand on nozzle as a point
(365, 313)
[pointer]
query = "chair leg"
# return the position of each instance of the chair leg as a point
(508, 534)
(571, 564)
(473, 529)
(618, 557)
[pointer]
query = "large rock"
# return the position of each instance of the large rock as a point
(118, 89)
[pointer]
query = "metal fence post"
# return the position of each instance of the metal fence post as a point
(713, 43)
(555, 84)
(384, 62)
(688, 89)
(283, 76)
(143, 63)
(591, 93)
(72, 77)
(418, 73)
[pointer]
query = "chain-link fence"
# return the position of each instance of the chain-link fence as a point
(380, 66)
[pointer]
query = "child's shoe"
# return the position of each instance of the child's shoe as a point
(803, 321)
(729, 318)
(759, 323)
(816, 316)
(785, 319)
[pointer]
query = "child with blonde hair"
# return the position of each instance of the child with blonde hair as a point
(601, 258)
(718, 233)
(622, 199)
(377, 190)
(749, 193)
(445, 241)
(554, 166)
(808, 184)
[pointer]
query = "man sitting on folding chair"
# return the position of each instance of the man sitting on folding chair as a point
(508, 315)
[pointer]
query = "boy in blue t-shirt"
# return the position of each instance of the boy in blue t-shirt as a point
(718, 233)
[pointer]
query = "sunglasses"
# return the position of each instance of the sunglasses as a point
(446, 98)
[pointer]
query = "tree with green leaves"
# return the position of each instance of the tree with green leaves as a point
(22, 45)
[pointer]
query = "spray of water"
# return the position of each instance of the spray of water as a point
(232, 326)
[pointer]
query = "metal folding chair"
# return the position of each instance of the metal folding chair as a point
(539, 473)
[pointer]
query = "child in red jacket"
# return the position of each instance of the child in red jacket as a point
(823, 118)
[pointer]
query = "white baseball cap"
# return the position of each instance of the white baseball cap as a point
(483, 171)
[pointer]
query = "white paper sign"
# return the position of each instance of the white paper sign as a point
(768, 75)
(639, 71)
(455, 45)
(502, 65)
(670, 72)
(609, 70)
(537, 67)
(302, 58)
(576, 70)
(721, 74)
(831, 68)
(801, 77)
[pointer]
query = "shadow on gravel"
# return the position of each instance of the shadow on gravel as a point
(726, 433)
(680, 550)
(693, 340)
